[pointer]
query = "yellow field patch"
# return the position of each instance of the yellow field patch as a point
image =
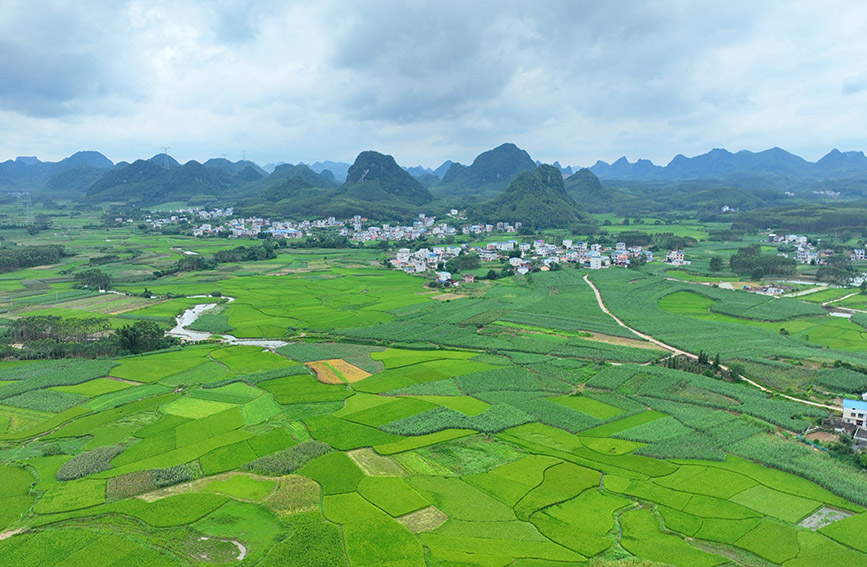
(424, 520)
(336, 371)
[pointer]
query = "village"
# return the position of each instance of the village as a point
(808, 253)
(524, 257)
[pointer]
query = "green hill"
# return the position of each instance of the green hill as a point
(536, 198)
(146, 182)
(376, 187)
(376, 177)
(490, 173)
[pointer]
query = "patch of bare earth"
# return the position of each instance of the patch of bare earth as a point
(373, 464)
(822, 517)
(823, 436)
(10, 533)
(424, 520)
(195, 485)
(621, 341)
(449, 296)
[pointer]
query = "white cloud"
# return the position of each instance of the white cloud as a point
(566, 80)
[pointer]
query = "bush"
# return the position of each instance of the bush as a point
(89, 462)
(173, 475)
(287, 460)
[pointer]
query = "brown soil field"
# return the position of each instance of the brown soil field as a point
(336, 371)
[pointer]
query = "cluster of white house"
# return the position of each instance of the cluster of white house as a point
(423, 227)
(424, 259)
(253, 226)
(806, 253)
(483, 228)
(162, 221)
(591, 256)
(188, 214)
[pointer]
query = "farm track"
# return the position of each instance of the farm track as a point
(676, 351)
(828, 303)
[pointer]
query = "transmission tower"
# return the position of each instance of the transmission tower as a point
(27, 203)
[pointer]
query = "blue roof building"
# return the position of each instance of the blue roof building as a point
(855, 411)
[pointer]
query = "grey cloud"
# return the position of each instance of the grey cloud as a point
(54, 60)
(44, 84)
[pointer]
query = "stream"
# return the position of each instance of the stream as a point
(189, 316)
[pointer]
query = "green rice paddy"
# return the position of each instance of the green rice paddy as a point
(420, 463)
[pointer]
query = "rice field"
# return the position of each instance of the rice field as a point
(457, 434)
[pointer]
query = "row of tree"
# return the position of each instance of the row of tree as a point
(50, 336)
(750, 261)
(52, 327)
(16, 257)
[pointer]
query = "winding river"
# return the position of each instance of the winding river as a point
(189, 316)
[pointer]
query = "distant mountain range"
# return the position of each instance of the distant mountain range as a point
(376, 185)
(76, 173)
(722, 164)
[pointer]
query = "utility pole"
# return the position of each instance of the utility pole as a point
(166, 155)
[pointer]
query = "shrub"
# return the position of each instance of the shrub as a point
(89, 462)
(287, 460)
(174, 475)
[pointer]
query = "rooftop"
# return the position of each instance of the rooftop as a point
(855, 404)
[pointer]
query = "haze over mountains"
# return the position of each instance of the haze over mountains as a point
(504, 182)
(720, 163)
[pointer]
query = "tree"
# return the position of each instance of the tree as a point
(141, 336)
(93, 278)
(716, 264)
(863, 287)
(463, 262)
(758, 273)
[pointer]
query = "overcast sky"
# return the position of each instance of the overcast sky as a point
(573, 81)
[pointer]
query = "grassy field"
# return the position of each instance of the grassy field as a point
(519, 425)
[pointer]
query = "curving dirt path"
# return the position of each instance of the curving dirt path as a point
(678, 351)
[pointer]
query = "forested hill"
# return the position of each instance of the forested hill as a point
(488, 175)
(145, 182)
(376, 186)
(377, 177)
(536, 198)
(31, 174)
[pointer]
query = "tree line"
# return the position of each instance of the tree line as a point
(16, 257)
(50, 336)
